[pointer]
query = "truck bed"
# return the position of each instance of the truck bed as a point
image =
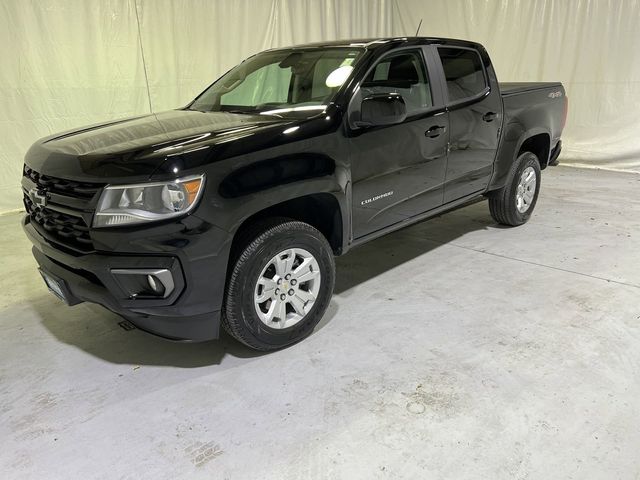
(538, 108)
(514, 88)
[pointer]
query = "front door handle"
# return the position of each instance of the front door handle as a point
(435, 131)
(489, 116)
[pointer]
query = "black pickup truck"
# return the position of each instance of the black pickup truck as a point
(230, 210)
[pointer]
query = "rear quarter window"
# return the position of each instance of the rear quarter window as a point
(463, 71)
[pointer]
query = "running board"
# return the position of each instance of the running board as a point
(460, 203)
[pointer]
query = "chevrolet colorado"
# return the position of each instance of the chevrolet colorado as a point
(230, 210)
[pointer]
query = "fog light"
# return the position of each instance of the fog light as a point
(145, 283)
(156, 285)
(152, 283)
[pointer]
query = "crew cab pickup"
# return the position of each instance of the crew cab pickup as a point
(230, 211)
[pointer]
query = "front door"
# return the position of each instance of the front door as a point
(398, 171)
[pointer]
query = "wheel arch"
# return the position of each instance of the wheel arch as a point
(539, 144)
(515, 140)
(323, 211)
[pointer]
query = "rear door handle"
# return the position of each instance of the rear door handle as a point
(435, 131)
(489, 116)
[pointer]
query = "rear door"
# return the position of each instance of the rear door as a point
(398, 170)
(475, 110)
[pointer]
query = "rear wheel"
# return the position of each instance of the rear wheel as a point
(280, 285)
(514, 203)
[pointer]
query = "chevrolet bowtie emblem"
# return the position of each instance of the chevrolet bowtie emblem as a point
(38, 197)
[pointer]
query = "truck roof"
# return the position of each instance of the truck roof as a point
(372, 43)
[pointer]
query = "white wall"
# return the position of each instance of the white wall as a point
(67, 63)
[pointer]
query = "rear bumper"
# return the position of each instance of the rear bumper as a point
(555, 153)
(191, 312)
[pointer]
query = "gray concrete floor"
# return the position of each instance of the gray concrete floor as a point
(452, 349)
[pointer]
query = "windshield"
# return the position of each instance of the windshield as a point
(282, 82)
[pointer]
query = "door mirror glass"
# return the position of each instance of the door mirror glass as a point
(382, 109)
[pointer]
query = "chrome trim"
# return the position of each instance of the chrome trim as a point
(162, 274)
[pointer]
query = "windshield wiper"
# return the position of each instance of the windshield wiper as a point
(248, 112)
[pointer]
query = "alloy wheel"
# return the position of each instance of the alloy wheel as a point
(287, 288)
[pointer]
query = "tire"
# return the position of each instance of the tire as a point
(262, 259)
(509, 205)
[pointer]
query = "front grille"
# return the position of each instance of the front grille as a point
(62, 217)
(67, 228)
(62, 186)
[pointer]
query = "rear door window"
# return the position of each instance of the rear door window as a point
(463, 71)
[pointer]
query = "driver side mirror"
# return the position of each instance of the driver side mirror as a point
(382, 109)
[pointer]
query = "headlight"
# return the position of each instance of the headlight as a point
(147, 202)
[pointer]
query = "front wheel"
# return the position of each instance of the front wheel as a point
(513, 204)
(280, 285)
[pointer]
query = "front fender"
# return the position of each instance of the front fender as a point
(248, 191)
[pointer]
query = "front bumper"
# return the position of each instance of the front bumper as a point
(192, 310)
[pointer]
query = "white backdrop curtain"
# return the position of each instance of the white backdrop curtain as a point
(67, 63)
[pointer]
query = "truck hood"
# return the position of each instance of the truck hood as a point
(136, 147)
